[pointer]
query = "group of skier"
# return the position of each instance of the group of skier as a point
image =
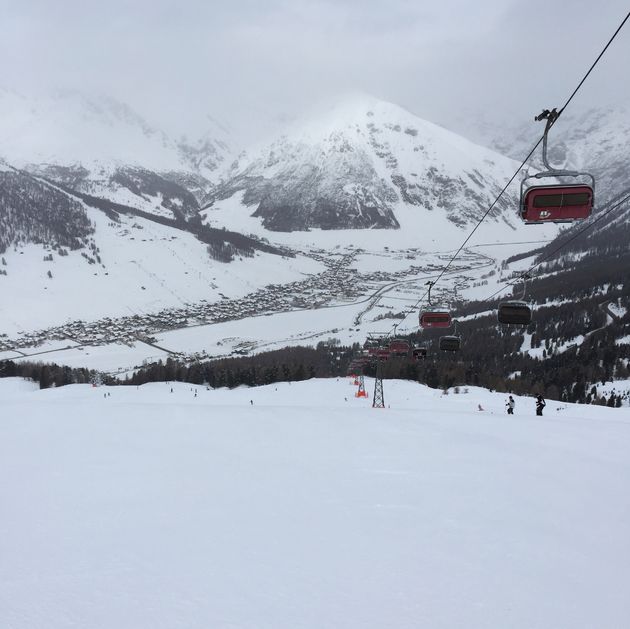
(540, 404)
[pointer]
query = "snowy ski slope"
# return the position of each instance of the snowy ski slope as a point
(152, 509)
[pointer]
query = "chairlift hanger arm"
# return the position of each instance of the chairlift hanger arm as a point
(524, 277)
(551, 117)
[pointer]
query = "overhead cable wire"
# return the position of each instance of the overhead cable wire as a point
(522, 164)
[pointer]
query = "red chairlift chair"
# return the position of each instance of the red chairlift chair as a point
(435, 317)
(555, 203)
(399, 348)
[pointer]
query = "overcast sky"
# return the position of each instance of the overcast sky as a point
(242, 60)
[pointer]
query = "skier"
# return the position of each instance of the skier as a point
(510, 406)
(540, 404)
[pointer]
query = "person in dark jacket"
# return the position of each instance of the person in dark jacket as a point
(510, 406)
(540, 404)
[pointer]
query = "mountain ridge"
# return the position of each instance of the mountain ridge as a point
(356, 165)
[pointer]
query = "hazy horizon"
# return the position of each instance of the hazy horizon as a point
(254, 68)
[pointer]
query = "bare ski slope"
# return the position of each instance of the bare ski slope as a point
(147, 509)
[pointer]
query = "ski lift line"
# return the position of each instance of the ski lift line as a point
(601, 54)
(564, 244)
(531, 152)
(575, 91)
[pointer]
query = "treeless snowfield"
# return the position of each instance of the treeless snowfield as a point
(152, 509)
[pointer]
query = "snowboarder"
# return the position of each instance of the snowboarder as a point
(540, 404)
(510, 405)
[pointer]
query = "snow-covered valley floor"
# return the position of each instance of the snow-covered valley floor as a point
(362, 293)
(142, 508)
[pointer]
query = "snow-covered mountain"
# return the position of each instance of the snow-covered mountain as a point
(100, 146)
(364, 164)
(69, 256)
(33, 212)
(69, 127)
(133, 232)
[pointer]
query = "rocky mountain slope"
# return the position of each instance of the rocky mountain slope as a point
(33, 212)
(361, 164)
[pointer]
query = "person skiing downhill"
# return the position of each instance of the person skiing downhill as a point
(510, 404)
(540, 404)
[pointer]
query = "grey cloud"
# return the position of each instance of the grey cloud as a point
(177, 61)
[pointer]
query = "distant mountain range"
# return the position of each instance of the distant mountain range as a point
(360, 164)
(68, 128)
(100, 146)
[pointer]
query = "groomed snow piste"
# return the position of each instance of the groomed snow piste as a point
(299, 506)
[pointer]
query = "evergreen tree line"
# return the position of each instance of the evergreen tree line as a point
(570, 376)
(32, 212)
(48, 374)
(284, 365)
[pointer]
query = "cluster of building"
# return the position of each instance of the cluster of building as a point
(339, 282)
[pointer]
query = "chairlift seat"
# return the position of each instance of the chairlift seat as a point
(399, 347)
(450, 343)
(435, 319)
(563, 203)
(419, 352)
(515, 313)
